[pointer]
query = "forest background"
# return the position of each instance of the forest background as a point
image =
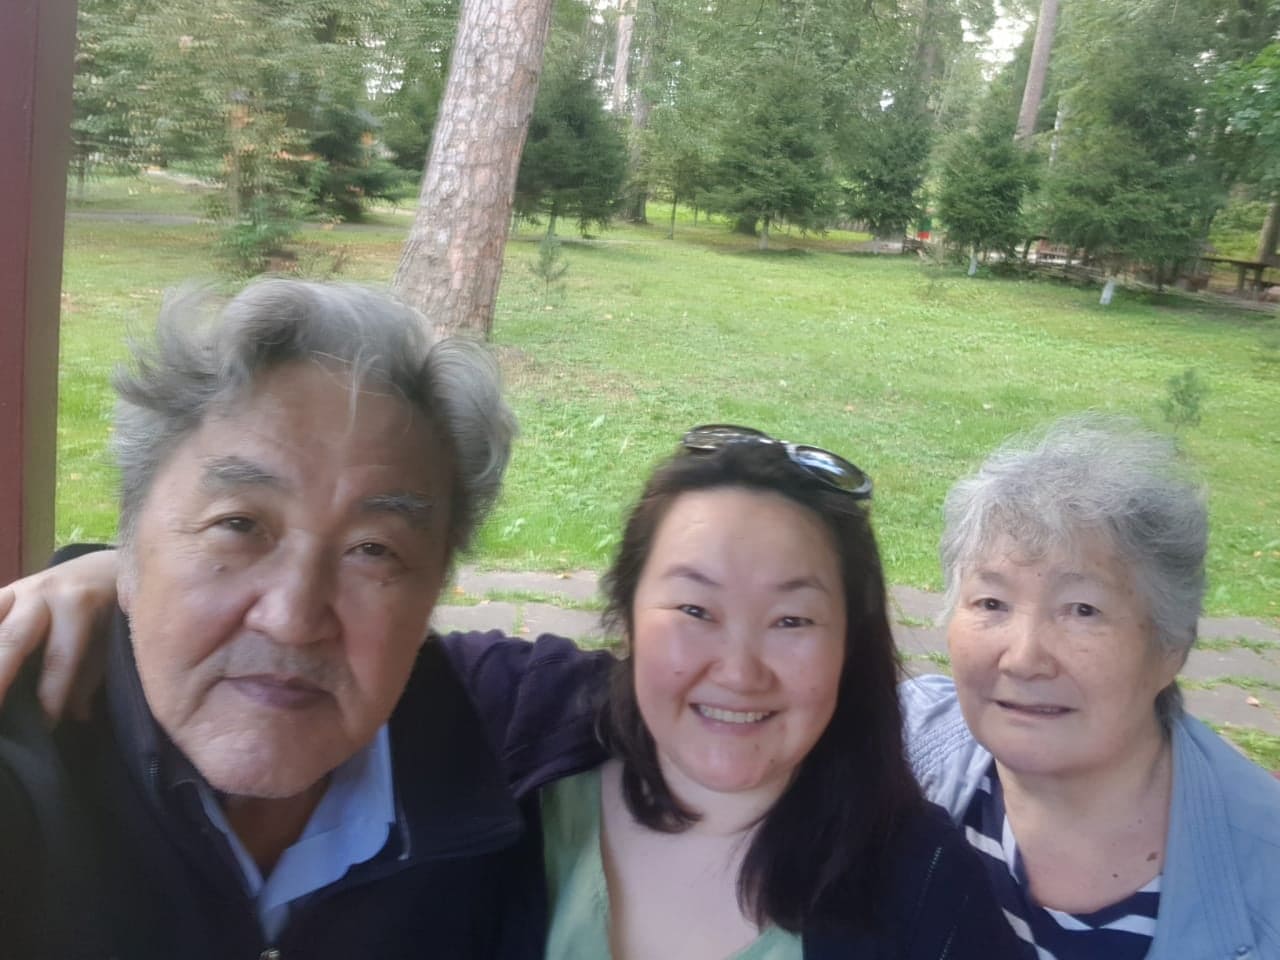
(720, 163)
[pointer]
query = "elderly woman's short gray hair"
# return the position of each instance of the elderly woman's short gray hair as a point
(1092, 473)
(204, 358)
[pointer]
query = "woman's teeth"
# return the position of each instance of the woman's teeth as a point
(731, 716)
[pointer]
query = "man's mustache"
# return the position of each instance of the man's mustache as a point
(252, 655)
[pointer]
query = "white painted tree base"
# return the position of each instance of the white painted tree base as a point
(1108, 291)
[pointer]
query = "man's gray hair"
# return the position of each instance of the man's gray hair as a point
(1092, 473)
(204, 359)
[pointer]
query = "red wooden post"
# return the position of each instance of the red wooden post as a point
(37, 49)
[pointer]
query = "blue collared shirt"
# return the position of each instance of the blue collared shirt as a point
(349, 826)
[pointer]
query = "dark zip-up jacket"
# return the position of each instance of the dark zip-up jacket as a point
(105, 850)
(116, 859)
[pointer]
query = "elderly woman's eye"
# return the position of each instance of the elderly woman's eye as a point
(989, 604)
(693, 610)
(1084, 610)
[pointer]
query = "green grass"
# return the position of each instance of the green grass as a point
(1253, 684)
(141, 194)
(907, 620)
(1262, 748)
(913, 372)
(1260, 647)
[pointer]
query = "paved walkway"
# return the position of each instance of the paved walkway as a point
(1233, 677)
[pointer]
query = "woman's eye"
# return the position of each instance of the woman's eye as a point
(693, 610)
(1084, 610)
(989, 604)
(791, 623)
(373, 550)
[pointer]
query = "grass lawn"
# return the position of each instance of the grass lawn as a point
(911, 371)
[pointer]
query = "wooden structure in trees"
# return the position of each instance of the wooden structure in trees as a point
(37, 47)
(1243, 267)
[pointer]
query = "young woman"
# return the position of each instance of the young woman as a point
(756, 803)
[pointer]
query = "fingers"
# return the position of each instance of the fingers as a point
(88, 677)
(66, 606)
(22, 630)
(61, 658)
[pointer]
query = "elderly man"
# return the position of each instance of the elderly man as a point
(278, 765)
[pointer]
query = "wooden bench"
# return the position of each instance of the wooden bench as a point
(1242, 267)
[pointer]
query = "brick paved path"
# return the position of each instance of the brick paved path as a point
(1233, 677)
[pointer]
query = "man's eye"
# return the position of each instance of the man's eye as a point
(371, 549)
(989, 604)
(238, 524)
(693, 610)
(1084, 610)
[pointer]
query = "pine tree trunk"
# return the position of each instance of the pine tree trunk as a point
(927, 52)
(622, 56)
(1270, 234)
(640, 109)
(451, 264)
(1033, 92)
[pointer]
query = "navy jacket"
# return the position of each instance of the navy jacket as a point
(105, 850)
(104, 853)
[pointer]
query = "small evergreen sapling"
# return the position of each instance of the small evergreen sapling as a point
(551, 266)
(1182, 405)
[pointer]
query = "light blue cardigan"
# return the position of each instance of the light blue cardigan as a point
(1220, 892)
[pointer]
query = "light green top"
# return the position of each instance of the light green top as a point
(576, 889)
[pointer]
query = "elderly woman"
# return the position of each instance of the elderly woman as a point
(1112, 824)
(754, 801)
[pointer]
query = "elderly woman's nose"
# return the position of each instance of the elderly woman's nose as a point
(1026, 650)
(295, 602)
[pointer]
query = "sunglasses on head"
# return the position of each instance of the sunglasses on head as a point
(823, 465)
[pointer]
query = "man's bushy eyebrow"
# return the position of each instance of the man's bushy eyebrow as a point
(415, 508)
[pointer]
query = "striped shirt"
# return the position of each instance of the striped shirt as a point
(1121, 931)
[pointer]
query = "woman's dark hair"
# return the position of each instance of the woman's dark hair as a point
(819, 856)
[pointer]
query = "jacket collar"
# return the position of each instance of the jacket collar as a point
(148, 753)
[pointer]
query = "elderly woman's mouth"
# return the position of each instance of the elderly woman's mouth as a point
(1035, 709)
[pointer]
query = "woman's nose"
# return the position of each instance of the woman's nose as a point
(740, 666)
(1027, 650)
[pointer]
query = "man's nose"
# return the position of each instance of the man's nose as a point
(295, 604)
